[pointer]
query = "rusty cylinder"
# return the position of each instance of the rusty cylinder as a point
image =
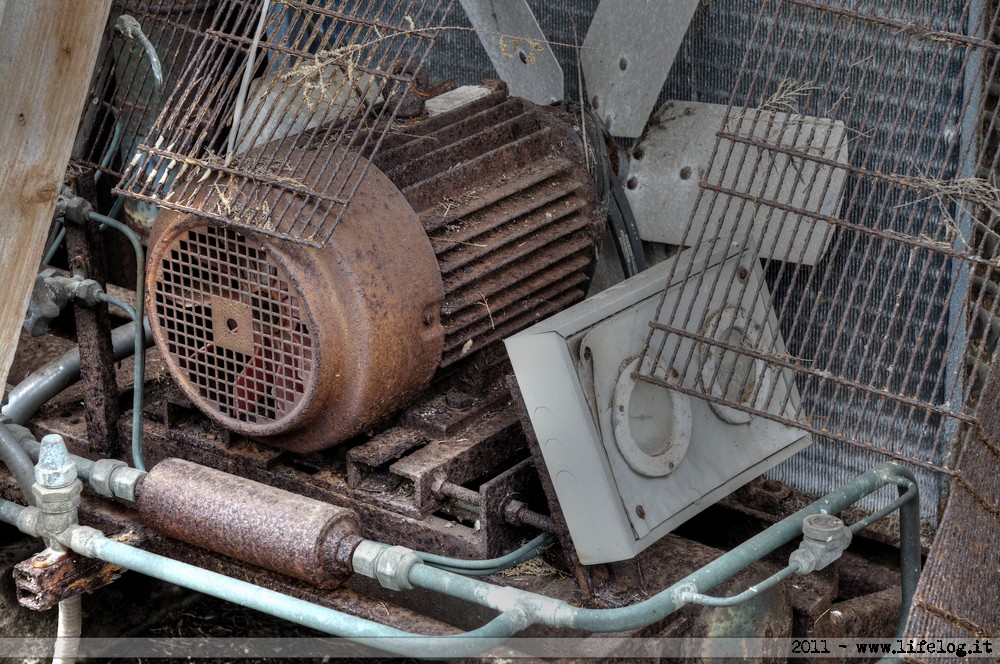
(249, 521)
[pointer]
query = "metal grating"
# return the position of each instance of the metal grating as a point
(331, 73)
(888, 335)
(124, 97)
(724, 36)
(234, 325)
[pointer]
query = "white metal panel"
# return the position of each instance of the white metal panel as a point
(629, 50)
(567, 368)
(518, 49)
(664, 184)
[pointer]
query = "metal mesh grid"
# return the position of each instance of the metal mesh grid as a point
(233, 322)
(888, 335)
(331, 73)
(124, 96)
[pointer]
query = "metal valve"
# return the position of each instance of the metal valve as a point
(824, 539)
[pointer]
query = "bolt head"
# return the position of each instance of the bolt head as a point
(54, 468)
(821, 526)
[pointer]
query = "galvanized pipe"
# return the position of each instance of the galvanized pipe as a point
(518, 609)
(559, 614)
(54, 377)
(17, 460)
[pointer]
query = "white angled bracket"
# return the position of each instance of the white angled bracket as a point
(627, 55)
(677, 156)
(518, 49)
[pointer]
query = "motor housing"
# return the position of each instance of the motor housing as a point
(470, 224)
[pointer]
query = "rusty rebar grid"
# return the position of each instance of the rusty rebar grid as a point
(886, 337)
(322, 76)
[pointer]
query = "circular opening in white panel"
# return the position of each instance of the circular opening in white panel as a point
(652, 424)
(730, 375)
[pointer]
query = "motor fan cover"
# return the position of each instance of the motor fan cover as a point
(303, 345)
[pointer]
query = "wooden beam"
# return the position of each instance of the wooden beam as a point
(48, 49)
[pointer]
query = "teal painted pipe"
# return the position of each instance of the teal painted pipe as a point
(518, 609)
(137, 320)
(492, 565)
(93, 544)
(560, 614)
(305, 613)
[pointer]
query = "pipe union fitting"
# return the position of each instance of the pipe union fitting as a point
(112, 478)
(392, 567)
(100, 476)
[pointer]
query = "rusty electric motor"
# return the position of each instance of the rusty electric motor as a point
(468, 226)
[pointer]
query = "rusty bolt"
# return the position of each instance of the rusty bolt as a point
(741, 273)
(47, 558)
(640, 511)
(458, 400)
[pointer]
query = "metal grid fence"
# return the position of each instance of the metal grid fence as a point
(330, 74)
(889, 336)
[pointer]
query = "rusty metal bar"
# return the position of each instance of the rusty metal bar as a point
(772, 358)
(903, 27)
(85, 247)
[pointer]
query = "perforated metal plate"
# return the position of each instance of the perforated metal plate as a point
(234, 326)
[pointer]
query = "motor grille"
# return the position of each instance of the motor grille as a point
(234, 324)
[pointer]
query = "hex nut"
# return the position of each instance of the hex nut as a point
(365, 555)
(59, 500)
(124, 480)
(392, 567)
(101, 473)
(805, 559)
(87, 291)
(77, 209)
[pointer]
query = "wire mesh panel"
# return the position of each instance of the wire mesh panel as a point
(326, 73)
(889, 332)
(251, 363)
(126, 92)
